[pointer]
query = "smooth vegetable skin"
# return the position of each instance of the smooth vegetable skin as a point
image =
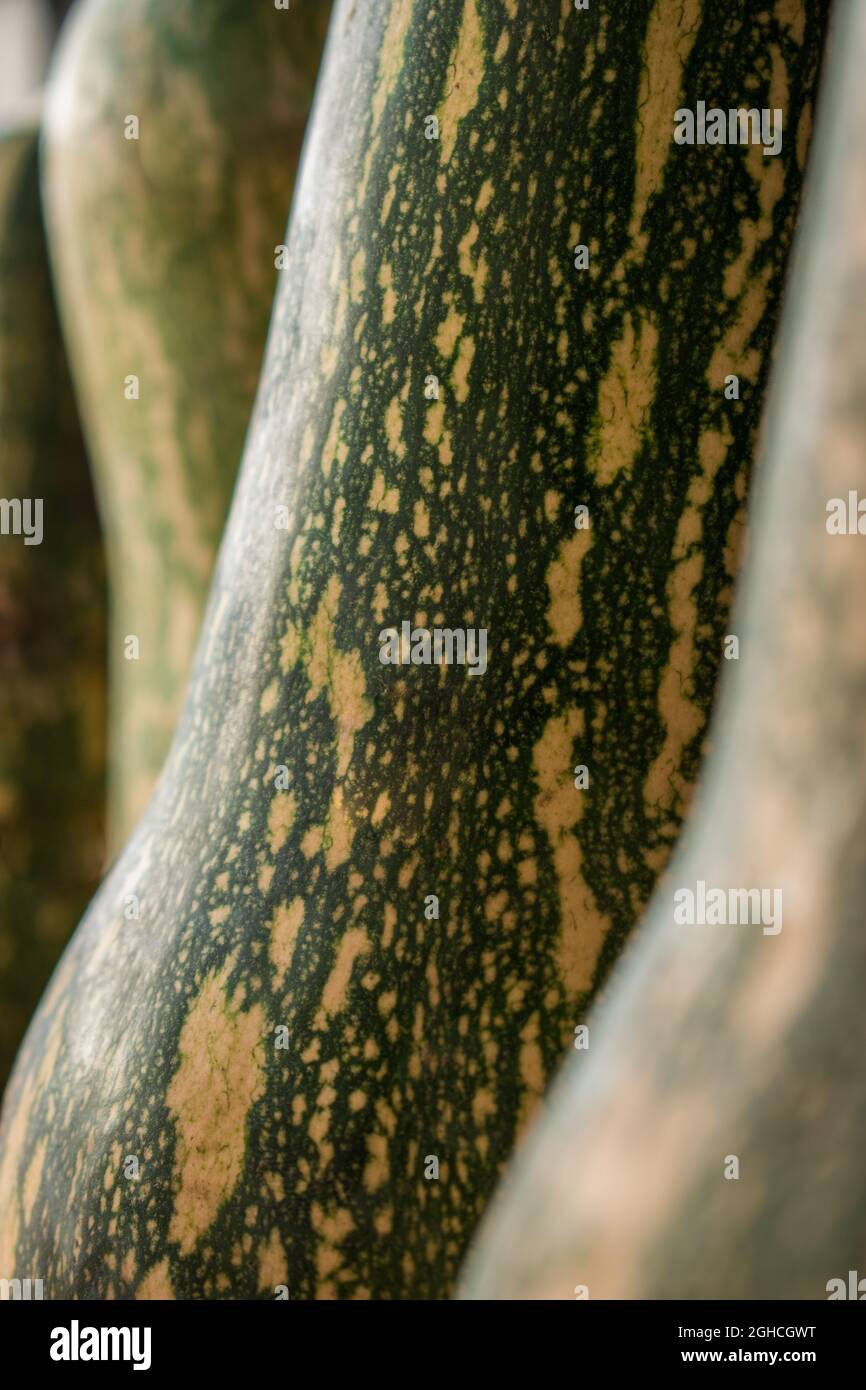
(52, 617)
(319, 1076)
(729, 1041)
(172, 135)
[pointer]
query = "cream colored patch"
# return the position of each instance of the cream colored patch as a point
(377, 1167)
(779, 91)
(485, 196)
(389, 297)
(448, 332)
(483, 1106)
(624, 400)
(340, 674)
(435, 422)
(331, 1226)
(156, 1284)
(464, 78)
(380, 602)
(792, 14)
(421, 521)
(273, 1266)
(220, 1076)
(284, 927)
(339, 831)
(268, 698)
(473, 269)
(558, 809)
(312, 841)
(391, 56)
(565, 612)
(381, 809)
(352, 945)
(281, 818)
(667, 47)
(382, 498)
(462, 368)
(531, 1065)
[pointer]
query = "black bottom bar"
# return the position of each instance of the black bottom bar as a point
(167, 1338)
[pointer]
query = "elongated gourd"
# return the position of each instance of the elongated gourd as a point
(374, 897)
(710, 1142)
(52, 616)
(172, 134)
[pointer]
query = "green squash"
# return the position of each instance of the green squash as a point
(710, 1142)
(372, 903)
(172, 134)
(52, 617)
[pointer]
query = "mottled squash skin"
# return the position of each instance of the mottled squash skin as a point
(52, 620)
(718, 1041)
(295, 900)
(164, 251)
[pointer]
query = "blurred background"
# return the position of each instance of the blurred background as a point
(28, 29)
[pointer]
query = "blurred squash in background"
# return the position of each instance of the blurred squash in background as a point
(172, 135)
(52, 616)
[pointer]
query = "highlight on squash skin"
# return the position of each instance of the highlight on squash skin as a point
(513, 382)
